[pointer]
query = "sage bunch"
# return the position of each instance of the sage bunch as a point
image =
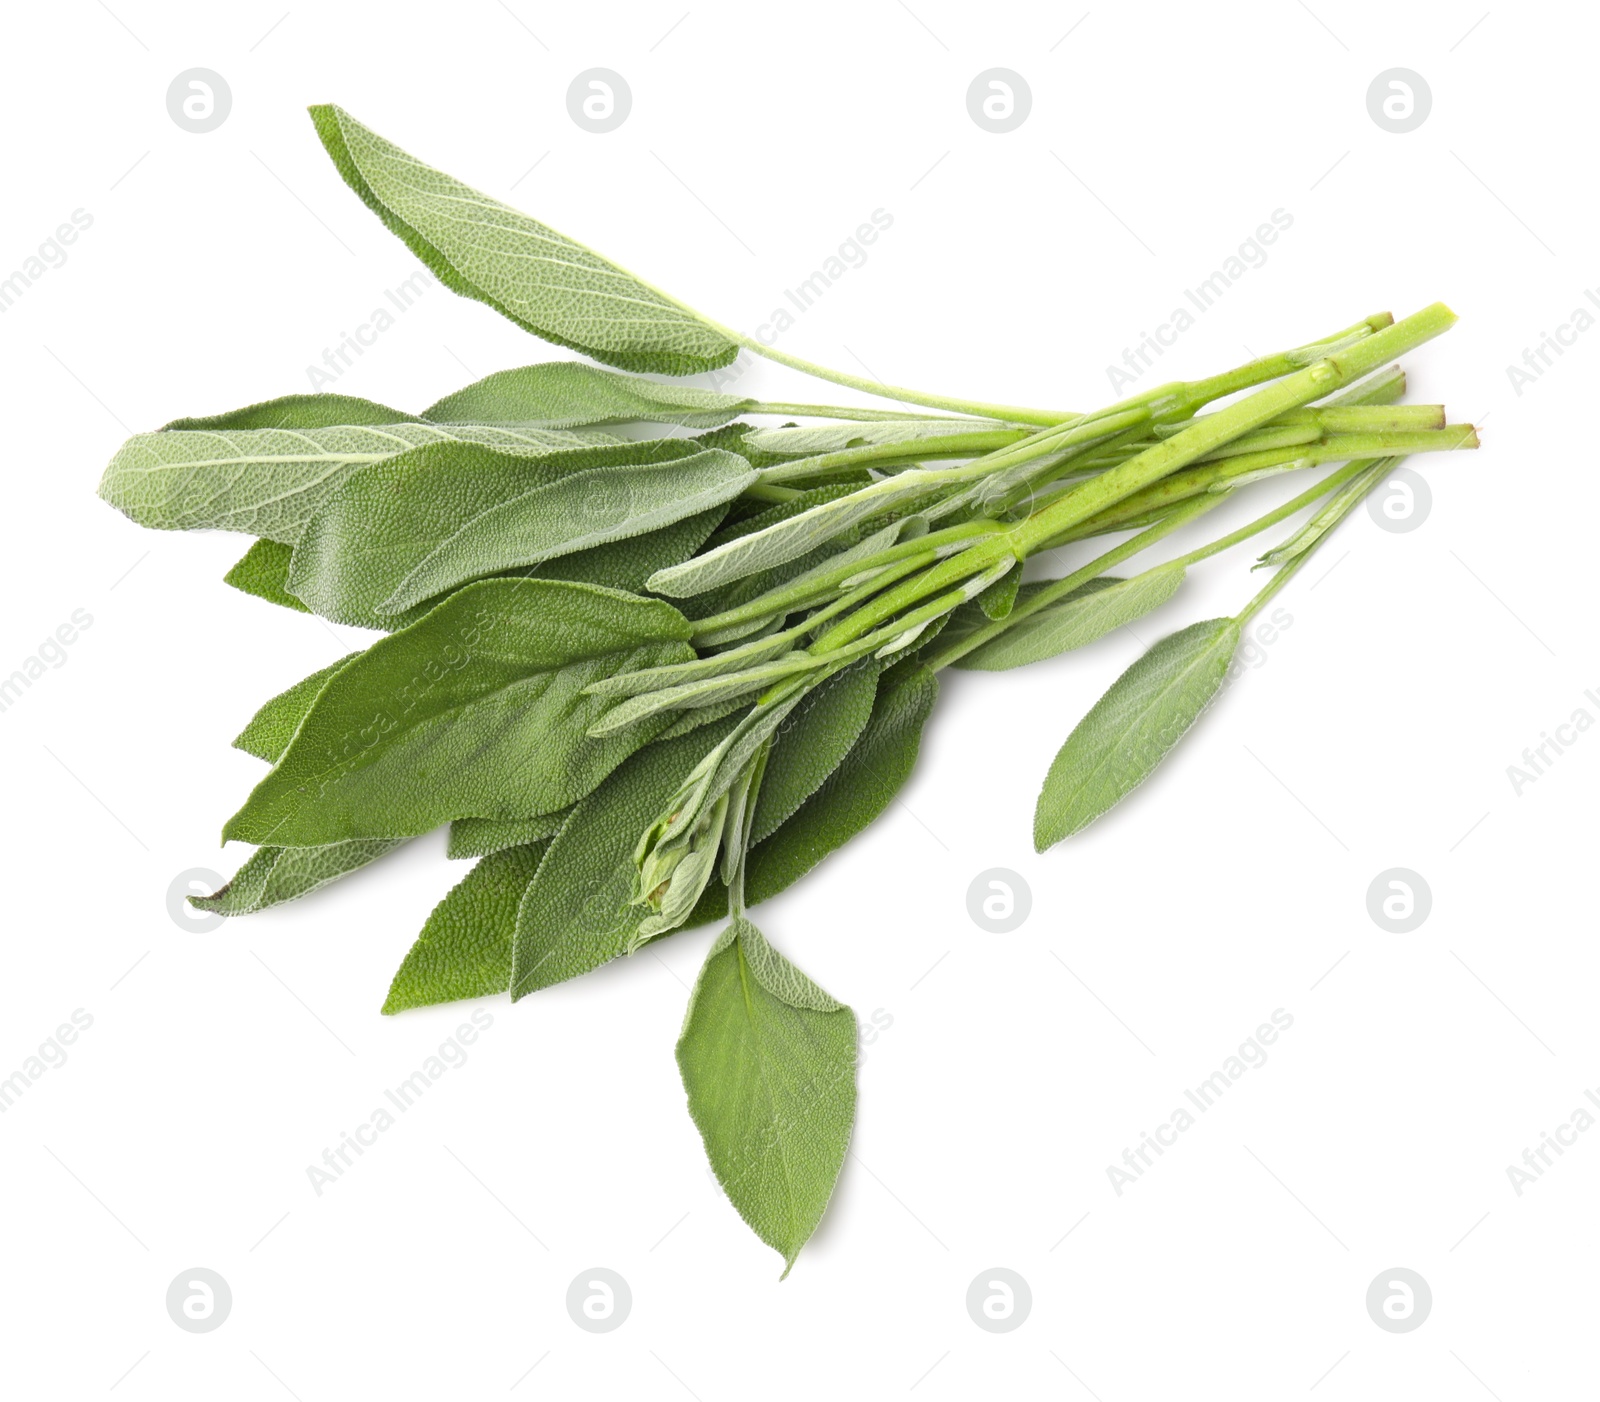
(653, 651)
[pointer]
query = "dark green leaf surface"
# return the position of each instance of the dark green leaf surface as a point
(298, 411)
(545, 282)
(1130, 729)
(476, 710)
(576, 915)
(464, 950)
(769, 1063)
(482, 837)
(811, 744)
(264, 572)
(273, 726)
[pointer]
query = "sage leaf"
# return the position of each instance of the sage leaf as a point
(384, 522)
(1130, 729)
(812, 743)
(292, 411)
(476, 710)
(586, 509)
(998, 599)
(1076, 620)
(813, 440)
(568, 394)
(576, 914)
(268, 734)
(263, 570)
(464, 950)
(483, 837)
(793, 537)
(769, 1063)
(860, 787)
(269, 482)
(545, 282)
(273, 875)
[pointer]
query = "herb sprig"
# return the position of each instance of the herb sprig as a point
(649, 683)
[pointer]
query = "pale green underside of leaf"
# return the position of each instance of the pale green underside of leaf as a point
(786, 540)
(476, 710)
(814, 439)
(542, 280)
(464, 950)
(273, 875)
(1077, 620)
(568, 394)
(1130, 729)
(769, 1063)
(483, 837)
(268, 734)
(579, 512)
(576, 914)
(269, 482)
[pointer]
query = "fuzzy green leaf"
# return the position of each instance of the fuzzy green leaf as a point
(273, 726)
(396, 526)
(812, 743)
(273, 875)
(293, 411)
(576, 915)
(263, 570)
(483, 837)
(545, 282)
(769, 1063)
(566, 394)
(580, 511)
(464, 950)
(1076, 620)
(815, 439)
(1130, 729)
(476, 710)
(268, 481)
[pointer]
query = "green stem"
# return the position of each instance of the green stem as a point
(852, 412)
(1072, 507)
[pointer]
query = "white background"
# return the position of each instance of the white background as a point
(1376, 733)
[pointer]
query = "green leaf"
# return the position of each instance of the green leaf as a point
(997, 600)
(863, 784)
(812, 743)
(476, 710)
(483, 837)
(268, 481)
(790, 539)
(273, 726)
(298, 411)
(576, 914)
(584, 510)
(264, 571)
(1077, 619)
(565, 394)
(815, 439)
(464, 950)
(273, 875)
(381, 530)
(542, 280)
(769, 1063)
(1130, 729)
